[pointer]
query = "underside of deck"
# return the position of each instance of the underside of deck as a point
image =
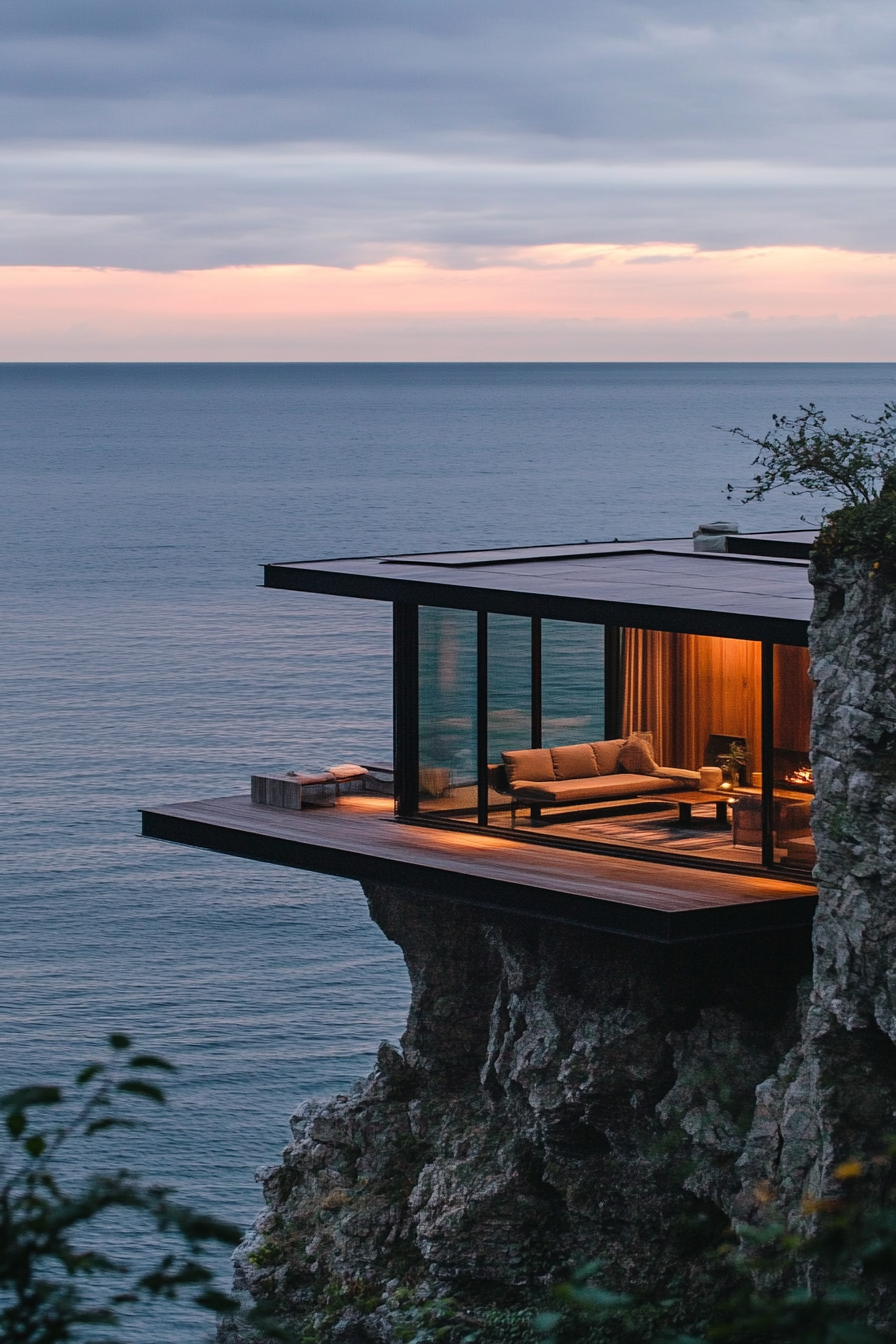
(360, 838)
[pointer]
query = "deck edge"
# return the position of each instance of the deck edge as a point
(485, 892)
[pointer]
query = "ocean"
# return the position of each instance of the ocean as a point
(141, 663)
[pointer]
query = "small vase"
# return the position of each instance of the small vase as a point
(730, 776)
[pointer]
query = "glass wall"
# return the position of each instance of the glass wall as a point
(791, 769)
(447, 709)
(693, 785)
(509, 684)
(511, 726)
(700, 697)
(572, 683)
(694, 703)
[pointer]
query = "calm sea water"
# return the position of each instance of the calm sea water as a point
(141, 663)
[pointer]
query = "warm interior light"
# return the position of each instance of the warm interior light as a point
(687, 688)
(802, 775)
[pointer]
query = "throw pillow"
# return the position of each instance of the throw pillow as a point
(606, 755)
(574, 762)
(534, 765)
(636, 754)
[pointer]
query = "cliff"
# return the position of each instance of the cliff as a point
(561, 1095)
(558, 1094)
(834, 1095)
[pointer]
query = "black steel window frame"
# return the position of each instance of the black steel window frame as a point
(406, 733)
(535, 689)
(767, 714)
(614, 680)
(406, 707)
(482, 718)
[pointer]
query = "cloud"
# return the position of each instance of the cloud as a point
(212, 132)
(664, 73)
(553, 302)
(177, 207)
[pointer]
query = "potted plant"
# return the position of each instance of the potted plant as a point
(733, 763)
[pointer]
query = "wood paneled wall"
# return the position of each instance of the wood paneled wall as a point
(683, 688)
(793, 698)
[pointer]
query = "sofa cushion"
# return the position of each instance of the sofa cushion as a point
(606, 755)
(575, 762)
(534, 764)
(558, 790)
(636, 754)
(691, 779)
(604, 788)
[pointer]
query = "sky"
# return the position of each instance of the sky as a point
(481, 179)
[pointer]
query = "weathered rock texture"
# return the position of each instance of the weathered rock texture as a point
(562, 1094)
(834, 1095)
(559, 1094)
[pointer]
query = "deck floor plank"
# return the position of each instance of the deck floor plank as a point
(360, 837)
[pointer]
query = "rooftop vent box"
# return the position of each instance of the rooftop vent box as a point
(711, 536)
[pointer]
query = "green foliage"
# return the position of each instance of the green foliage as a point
(53, 1287)
(863, 532)
(802, 455)
(736, 755)
(856, 466)
(502, 1326)
(833, 1285)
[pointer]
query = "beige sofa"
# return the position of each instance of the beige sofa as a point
(586, 772)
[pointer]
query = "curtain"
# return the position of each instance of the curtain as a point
(683, 688)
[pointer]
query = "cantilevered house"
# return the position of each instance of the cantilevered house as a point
(614, 734)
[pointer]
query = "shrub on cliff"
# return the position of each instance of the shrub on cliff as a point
(855, 466)
(863, 532)
(834, 1285)
(805, 457)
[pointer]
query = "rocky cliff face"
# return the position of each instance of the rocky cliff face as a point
(562, 1094)
(559, 1094)
(834, 1095)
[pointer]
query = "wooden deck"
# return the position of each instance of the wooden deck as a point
(361, 839)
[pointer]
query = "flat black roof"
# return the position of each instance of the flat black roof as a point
(758, 591)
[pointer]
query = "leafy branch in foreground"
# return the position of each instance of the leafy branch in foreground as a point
(802, 455)
(52, 1288)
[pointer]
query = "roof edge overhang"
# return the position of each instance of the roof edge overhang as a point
(726, 625)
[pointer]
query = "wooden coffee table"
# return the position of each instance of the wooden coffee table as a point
(693, 798)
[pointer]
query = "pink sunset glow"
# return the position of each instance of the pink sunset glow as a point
(650, 301)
